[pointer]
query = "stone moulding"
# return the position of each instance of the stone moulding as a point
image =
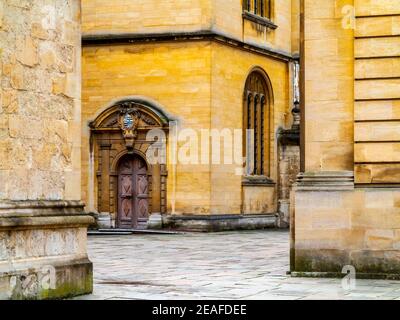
(89, 39)
(325, 181)
(33, 222)
(32, 214)
(44, 235)
(40, 208)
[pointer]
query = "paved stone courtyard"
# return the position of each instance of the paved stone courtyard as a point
(232, 265)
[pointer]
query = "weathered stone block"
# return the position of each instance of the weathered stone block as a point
(26, 51)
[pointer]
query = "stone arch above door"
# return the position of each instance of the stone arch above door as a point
(121, 130)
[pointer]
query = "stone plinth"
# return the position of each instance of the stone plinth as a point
(43, 250)
(336, 224)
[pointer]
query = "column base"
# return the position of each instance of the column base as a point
(43, 250)
(336, 224)
(47, 279)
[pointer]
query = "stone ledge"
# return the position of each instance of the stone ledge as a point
(40, 208)
(19, 223)
(17, 215)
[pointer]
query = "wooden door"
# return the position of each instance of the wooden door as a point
(133, 193)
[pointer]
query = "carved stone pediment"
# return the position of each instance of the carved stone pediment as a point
(144, 117)
(129, 117)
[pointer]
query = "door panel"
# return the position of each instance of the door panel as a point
(133, 193)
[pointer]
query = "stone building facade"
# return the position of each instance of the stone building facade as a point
(185, 68)
(159, 78)
(346, 203)
(42, 221)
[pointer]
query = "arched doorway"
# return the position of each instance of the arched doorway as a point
(129, 187)
(132, 192)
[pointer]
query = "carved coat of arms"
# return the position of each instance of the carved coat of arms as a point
(129, 121)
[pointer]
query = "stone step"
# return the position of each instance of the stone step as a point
(130, 231)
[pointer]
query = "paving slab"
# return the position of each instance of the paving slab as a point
(202, 266)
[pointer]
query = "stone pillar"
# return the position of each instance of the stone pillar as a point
(350, 89)
(327, 139)
(42, 222)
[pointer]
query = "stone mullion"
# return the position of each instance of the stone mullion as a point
(256, 121)
(262, 133)
(249, 126)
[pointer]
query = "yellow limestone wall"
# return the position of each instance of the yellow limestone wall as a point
(337, 224)
(377, 92)
(176, 75)
(177, 16)
(201, 84)
(146, 16)
(230, 69)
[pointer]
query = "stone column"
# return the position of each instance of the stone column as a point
(341, 223)
(319, 213)
(42, 223)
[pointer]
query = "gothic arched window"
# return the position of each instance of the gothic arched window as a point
(256, 124)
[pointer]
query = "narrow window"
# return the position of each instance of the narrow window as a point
(256, 119)
(247, 5)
